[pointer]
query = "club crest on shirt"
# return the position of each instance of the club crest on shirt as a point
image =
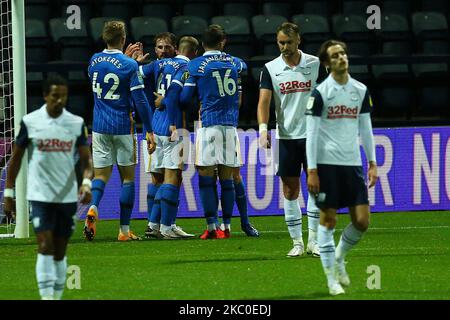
(310, 103)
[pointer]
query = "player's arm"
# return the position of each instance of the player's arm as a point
(82, 144)
(136, 52)
(242, 72)
(313, 113)
(19, 148)
(139, 98)
(263, 113)
(367, 139)
(189, 89)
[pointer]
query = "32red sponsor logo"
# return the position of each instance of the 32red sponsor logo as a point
(54, 145)
(342, 111)
(295, 86)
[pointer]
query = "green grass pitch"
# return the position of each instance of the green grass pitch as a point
(412, 250)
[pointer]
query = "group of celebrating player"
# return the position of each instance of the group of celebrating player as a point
(319, 120)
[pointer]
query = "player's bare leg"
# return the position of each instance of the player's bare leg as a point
(351, 235)
(241, 202)
(293, 214)
(325, 238)
(101, 178)
(126, 202)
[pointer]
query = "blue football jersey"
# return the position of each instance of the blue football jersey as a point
(216, 78)
(166, 73)
(113, 76)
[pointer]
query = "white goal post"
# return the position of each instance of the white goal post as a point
(13, 27)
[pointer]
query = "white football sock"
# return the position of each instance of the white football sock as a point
(125, 229)
(327, 251)
(154, 226)
(212, 227)
(349, 238)
(313, 219)
(60, 283)
(164, 229)
(45, 275)
(293, 218)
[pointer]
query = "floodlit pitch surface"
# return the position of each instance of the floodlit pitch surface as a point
(411, 249)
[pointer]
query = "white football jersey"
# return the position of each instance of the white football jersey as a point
(51, 146)
(339, 107)
(291, 87)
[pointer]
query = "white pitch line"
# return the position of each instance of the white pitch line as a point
(375, 228)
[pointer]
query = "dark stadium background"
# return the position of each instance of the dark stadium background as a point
(405, 64)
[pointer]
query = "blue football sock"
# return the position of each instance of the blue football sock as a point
(227, 200)
(208, 198)
(98, 186)
(151, 193)
(174, 219)
(241, 201)
(169, 203)
(155, 216)
(126, 203)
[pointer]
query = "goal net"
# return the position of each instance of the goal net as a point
(6, 103)
(12, 109)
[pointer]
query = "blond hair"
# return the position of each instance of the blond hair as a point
(113, 32)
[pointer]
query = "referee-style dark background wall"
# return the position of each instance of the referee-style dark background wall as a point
(405, 64)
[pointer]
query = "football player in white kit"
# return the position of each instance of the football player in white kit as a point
(52, 135)
(289, 79)
(338, 114)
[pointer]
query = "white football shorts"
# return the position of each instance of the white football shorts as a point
(167, 155)
(108, 150)
(217, 145)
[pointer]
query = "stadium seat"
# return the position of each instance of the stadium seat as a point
(352, 29)
(123, 11)
(361, 73)
(79, 105)
(188, 25)
(394, 26)
(325, 8)
(434, 101)
(265, 28)
(37, 41)
(402, 8)
(242, 9)
(239, 39)
(394, 102)
(395, 32)
(314, 29)
(429, 25)
(34, 102)
(277, 8)
(401, 48)
(74, 44)
(266, 25)
(355, 7)
(159, 10)
(436, 47)
(144, 29)
(39, 10)
(441, 6)
(202, 10)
